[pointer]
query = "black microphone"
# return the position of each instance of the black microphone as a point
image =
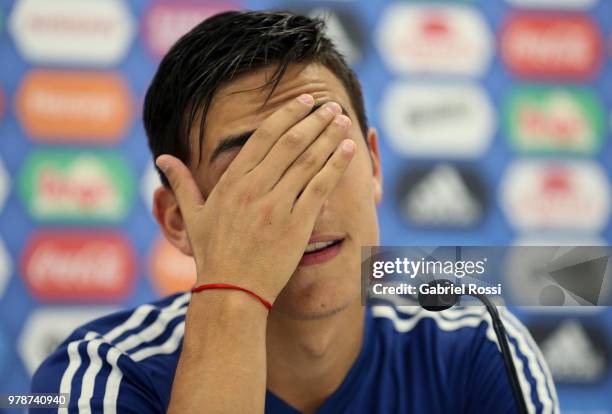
(437, 302)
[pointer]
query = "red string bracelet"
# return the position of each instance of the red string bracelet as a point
(200, 288)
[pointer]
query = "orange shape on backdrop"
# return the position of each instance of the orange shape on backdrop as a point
(171, 270)
(69, 106)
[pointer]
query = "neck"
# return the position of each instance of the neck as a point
(309, 359)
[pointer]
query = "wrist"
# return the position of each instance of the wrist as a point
(228, 303)
(228, 286)
(238, 278)
(223, 313)
(223, 323)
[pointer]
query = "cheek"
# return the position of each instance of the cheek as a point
(355, 189)
(356, 198)
(358, 176)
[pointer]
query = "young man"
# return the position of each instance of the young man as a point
(272, 178)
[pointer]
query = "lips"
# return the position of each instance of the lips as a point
(320, 251)
(313, 247)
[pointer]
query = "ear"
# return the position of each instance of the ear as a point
(377, 179)
(168, 215)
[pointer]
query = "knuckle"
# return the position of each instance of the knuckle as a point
(264, 131)
(266, 212)
(306, 161)
(337, 164)
(292, 139)
(323, 115)
(292, 111)
(247, 196)
(319, 188)
(342, 122)
(294, 108)
(338, 132)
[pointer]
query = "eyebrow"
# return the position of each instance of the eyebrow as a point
(234, 141)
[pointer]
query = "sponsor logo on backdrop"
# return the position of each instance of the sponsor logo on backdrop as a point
(577, 351)
(554, 119)
(541, 46)
(442, 196)
(149, 182)
(76, 186)
(5, 184)
(78, 266)
(6, 268)
(553, 4)
(437, 119)
(439, 39)
(62, 106)
(171, 270)
(165, 22)
(46, 328)
(556, 195)
(72, 31)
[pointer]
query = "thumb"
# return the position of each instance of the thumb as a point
(183, 185)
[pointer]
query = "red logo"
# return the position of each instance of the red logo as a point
(543, 45)
(78, 266)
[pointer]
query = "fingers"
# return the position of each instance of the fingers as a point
(313, 158)
(183, 185)
(323, 183)
(266, 135)
(294, 142)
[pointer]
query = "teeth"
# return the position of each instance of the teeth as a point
(318, 246)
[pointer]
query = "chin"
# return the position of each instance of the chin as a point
(309, 297)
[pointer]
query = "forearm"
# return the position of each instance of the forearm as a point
(222, 368)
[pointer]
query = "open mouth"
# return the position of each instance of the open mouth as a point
(320, 252)
(321, 246)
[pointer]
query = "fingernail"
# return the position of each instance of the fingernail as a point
(334, 108)
(342, 120)
(348, 146)
(161, 163)
(306, 99)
